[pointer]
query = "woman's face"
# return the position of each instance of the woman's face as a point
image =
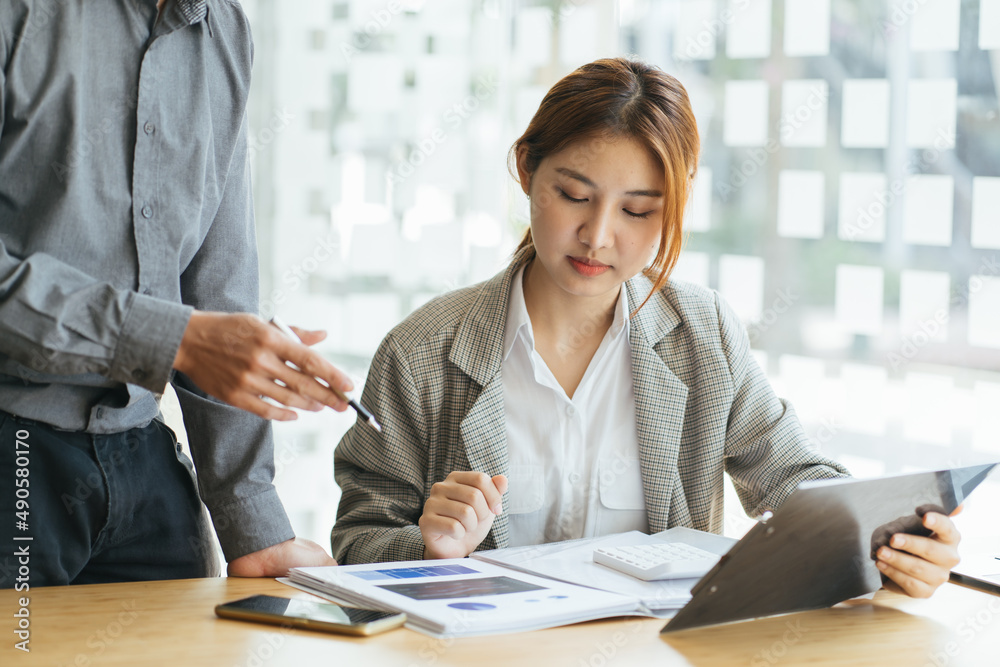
(596, 214)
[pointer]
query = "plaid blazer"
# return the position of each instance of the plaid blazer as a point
(702, 403)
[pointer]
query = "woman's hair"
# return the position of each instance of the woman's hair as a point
(617, 98)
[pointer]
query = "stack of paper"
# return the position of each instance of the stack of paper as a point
(509, 590)
(460, 598)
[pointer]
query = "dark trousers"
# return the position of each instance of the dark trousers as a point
(98, 508)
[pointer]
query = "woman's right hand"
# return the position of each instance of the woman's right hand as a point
(459, 513)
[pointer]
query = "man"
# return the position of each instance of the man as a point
(127, 253)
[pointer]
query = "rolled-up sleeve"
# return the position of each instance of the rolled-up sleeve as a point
(381, 475)
(767, 451)
(233, 450)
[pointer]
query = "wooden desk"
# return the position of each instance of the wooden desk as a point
(172, 623)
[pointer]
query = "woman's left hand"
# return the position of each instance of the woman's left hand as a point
(918, 565)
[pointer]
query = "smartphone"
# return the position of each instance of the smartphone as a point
(310, 615)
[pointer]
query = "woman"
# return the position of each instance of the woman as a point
(606, 397)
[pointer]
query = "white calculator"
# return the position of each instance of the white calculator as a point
(666, 560)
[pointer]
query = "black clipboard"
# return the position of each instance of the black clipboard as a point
(818, 548)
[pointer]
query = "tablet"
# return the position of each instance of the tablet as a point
(980, 566)
(818, 548)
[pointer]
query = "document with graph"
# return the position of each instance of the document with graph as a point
(461, 597)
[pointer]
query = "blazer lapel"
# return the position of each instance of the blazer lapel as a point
(478, 352)
(484, 439)
(660, 396)
(660, 401)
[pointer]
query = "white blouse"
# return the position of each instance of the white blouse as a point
(574, 463)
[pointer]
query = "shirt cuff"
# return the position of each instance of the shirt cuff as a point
(251, 524)
(148, 342)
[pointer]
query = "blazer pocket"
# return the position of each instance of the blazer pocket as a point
(620, 481)
(525, 489)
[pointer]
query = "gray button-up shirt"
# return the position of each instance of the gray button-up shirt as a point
(124, 202)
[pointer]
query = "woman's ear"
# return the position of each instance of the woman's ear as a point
(523, 175)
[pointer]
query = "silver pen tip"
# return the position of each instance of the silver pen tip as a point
(375, 425)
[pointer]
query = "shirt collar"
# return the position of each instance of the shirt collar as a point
(517, 316)
(181, 13)
(620, 325)
(519, 323)
(193, 10)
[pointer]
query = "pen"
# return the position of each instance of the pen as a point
(360, 409)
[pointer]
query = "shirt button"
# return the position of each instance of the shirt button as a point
(147, 211)
(139, 375)
(149, 128)
(99, 412)
(570, 410)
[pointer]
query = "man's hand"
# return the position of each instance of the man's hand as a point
(918, 565)
(240, 358)
(275, 561)
(459, 513)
